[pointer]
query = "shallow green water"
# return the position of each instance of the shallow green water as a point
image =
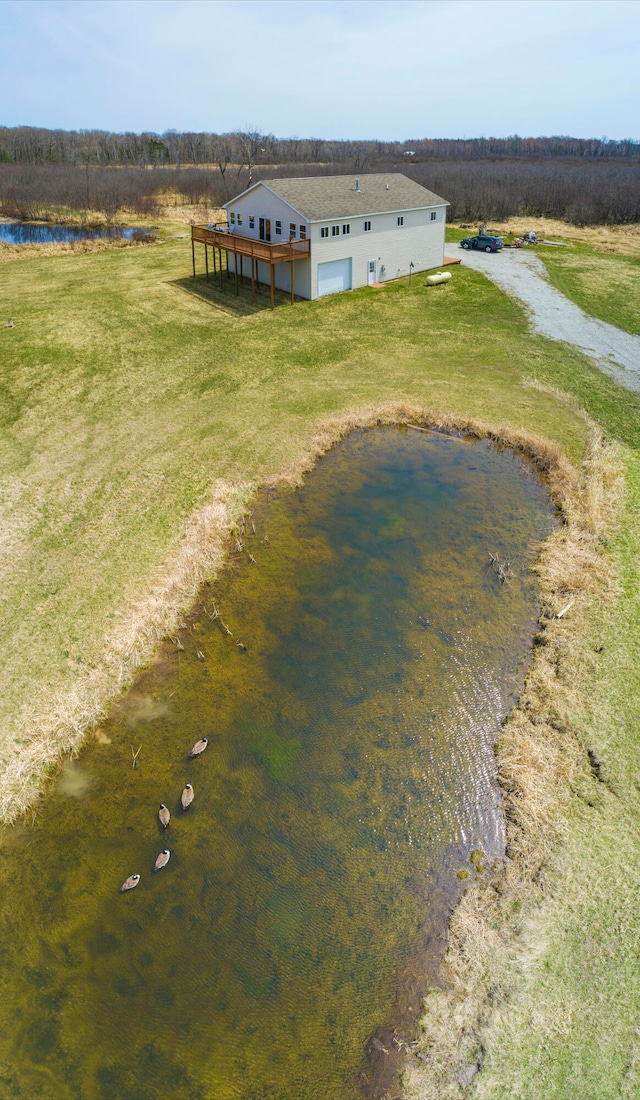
(348, 777)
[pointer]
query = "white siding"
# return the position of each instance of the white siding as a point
(262, 203)
(301, 275)
(394, 247)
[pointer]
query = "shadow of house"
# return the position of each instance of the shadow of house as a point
(225, 298)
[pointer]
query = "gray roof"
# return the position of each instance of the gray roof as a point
(324, 197)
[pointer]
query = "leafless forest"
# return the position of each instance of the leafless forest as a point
(44, 173)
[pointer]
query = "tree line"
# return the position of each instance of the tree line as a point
(583, 189)
(36, 145)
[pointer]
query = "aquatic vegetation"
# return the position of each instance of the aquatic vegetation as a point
(349, 773)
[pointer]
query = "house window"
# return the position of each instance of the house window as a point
(335, 230)
(239, 219)
(232, 218)
(401, 221)
(324, 232)
(292, 229)
(252, 221)
(279, 228)
(367, 227)
(433, 215)
(303, 232)
(346, 228)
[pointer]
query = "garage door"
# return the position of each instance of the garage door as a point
(334, 276)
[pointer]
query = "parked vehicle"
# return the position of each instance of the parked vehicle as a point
(484, 242)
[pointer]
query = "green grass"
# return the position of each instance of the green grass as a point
(129, 392)
(604, 284)
(127, 395)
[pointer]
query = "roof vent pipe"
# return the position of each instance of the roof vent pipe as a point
(357, 184)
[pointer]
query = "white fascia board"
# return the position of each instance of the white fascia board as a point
(376, 213)
(261, 183)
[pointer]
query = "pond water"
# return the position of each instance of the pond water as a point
(349, 778)
(28, 233)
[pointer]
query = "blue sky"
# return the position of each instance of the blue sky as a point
(325, 68)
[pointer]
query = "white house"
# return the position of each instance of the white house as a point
(356, 230)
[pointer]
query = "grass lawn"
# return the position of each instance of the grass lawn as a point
(130, 393)
(604, 284)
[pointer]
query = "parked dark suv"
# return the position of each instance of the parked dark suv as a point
(484, 242)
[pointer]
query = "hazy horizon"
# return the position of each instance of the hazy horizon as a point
(339, 69)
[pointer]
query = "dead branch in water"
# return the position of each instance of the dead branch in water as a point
(252, 560)
(501, 568)
(134, 756)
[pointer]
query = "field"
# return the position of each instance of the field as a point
(140, 408)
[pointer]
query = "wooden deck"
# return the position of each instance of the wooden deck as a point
(221, 239)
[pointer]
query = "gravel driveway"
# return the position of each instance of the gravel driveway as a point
(522, 275)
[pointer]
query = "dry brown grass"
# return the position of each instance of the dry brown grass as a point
(608, 238)
(9, 252)
(540, 756)
(173, 208)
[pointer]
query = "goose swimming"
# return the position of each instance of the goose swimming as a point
(187, 796)
(199, 747)
(129, 883)
(164, 816)
(162, 860)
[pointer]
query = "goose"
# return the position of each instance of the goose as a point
(162, 860)
(199, 747)
(164, 816)
(187, 796)
(129, 883)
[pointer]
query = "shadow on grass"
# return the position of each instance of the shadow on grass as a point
(224, 297)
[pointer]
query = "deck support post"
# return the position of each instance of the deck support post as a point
(215, 266)
(226, 252)
(241, 270)
(206, 259)
(193, 257)
(235, 268)
(273, 285)
(220, 251)
(292, 283)
(253, 281)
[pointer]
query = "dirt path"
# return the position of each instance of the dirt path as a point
(522, 275)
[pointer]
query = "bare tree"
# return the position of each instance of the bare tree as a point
(251, 144)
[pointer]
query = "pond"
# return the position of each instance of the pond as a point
(351, 680)
(33, 233)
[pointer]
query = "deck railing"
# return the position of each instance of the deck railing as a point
(277, 252)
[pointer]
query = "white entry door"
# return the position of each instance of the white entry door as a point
(334, 276)
(372, 272)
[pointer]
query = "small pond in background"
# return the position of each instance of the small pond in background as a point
(350, 773)
(34, 233)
